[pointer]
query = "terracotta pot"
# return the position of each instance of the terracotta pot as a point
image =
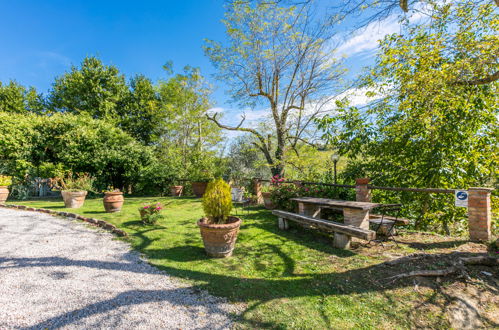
(219, 239)
(267, 202)
(199, 188)
(113, 201)
(362, 181)
(176, 190)
(4, 193)
(73, 199)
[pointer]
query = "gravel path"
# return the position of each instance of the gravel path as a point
(58, 273)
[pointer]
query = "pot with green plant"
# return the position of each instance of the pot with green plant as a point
(5, 182)
(74, 189)
(113, 200)
(218, 229)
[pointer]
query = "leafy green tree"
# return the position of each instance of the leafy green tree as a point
(435, 123)
(141, 113)
(278, 58)
(19, 99)
(93, 88)
(185, 100)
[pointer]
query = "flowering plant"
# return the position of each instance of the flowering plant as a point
(151, 213)
(277, 180)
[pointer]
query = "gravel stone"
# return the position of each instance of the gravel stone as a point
(61, 274)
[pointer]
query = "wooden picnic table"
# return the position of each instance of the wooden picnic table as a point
(355, 213)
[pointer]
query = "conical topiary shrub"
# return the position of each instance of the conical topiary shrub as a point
(218, 229)
(217, 201)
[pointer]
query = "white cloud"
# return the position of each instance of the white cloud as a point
(367, 39)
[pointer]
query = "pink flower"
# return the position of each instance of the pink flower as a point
(158, 208)
(146, 207)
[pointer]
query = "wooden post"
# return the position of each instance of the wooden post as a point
(309, 209)
(341, 241)
(363, 193)
(479, 214)
(257, 190)
(283, 223)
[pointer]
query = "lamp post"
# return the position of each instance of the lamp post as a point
(335, 157)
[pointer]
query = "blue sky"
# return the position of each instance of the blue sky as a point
(39, 40)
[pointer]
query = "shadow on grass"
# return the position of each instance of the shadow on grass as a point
(434, 245)
(313, 239)
(255, 291)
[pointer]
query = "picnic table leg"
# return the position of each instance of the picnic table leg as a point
(341, 241)
(356, 217)
(283, 223)
(310, 210)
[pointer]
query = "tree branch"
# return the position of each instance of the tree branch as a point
(481, 81)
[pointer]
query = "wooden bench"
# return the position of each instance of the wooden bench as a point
(342, 233)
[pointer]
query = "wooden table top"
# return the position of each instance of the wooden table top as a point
(340, 203)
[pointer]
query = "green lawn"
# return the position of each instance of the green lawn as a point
(291, 279)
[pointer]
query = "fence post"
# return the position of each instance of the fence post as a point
(479, 214)
(362, 191)
(257, 190)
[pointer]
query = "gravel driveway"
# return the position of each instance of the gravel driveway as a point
(58, 273)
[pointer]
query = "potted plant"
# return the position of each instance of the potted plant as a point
(266, 195)
(151, 213)
(218, 229)
(113, 200)
(5, 182)
(176, 190)
(74, 189)
(200, 182)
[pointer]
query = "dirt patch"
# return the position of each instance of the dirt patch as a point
(457, 300)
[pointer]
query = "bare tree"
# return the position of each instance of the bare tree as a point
(281, 58)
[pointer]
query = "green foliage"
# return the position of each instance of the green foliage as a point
(5, 180)
(78, 182)
(32, 145)
(94, 89)
(282, 193)
(16, 98)
(435, 124)
(217, 201)
(189, 136)
(151, 213)
(141, 112)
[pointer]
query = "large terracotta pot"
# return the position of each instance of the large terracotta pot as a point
(176, 190)
(113, 201)
(267, 202)
(4, 193)
(73, 199)
(219, 239)
(199, 188)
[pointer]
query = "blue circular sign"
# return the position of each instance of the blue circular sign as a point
(462, 195)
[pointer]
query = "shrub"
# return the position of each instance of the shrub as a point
(282, 194)
(151, 213)
(5, 180)
(217, 201)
